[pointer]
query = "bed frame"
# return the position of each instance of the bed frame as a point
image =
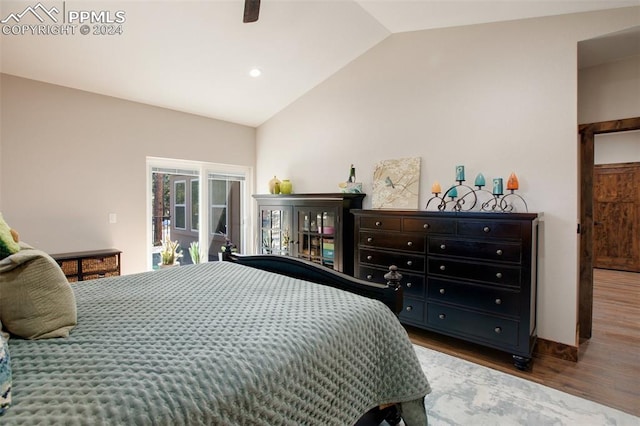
(390, 294)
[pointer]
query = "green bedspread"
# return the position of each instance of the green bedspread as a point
(216, 343)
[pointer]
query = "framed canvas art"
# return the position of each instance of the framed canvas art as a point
(396, 184)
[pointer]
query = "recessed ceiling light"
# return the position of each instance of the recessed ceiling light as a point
(255, 72)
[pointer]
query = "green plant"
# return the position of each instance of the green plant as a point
(194, 251)
(170, 252)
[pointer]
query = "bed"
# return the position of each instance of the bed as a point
(222, 343)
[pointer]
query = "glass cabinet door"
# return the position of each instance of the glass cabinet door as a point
(316, 234)
(275, 230)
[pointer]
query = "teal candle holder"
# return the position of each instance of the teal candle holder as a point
(461, 197)
(452, 192)
(497, 186)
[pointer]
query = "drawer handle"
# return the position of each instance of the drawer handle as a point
(369, 277)
(409, 308)
(498, 330)
(378, 223)
(442, 247)
(409, 285)
(499, 252)
(410, 243)
(486, 229)
(442, 316)
(499, 275)
(442, 291)
(498, 301)
(409, 263)
(369, 257)
(425, 226)
(369, 239)
(442, 267)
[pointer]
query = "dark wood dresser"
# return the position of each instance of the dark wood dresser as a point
(466, 275)
(89, 265)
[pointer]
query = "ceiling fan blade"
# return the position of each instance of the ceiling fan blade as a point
(251, 10)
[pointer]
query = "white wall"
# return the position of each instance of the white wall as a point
(622, 147)
(609, 92)
(69, 158)
(497, 98)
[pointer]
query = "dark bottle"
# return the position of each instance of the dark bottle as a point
(352, 175)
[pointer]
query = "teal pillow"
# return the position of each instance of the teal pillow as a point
(5, 376)
(7, 245)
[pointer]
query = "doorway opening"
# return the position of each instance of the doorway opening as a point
(191, 214)
(586, 163)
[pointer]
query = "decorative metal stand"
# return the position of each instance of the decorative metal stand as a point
(465, 198)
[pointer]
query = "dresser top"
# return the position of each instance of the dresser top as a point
(449, 214)
(325, 196)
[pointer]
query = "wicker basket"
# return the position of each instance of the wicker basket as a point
(97, 276)
(96, 264)
(69, 267)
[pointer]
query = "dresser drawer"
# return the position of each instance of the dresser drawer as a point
(383, 223)
(501, 251)
(489, 229)
(405, 242)
(412, 285)
(412, 310)
(489, 273)
(401, 260)
(485, 327)
(491, 299)
(430, 225)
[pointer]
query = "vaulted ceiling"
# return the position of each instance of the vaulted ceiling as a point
(195, 56)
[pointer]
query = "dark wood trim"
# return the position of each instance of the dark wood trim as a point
(586, 162)
(622, 125)
(555, 349)
(585, 290)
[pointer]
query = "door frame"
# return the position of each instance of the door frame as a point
(586, 162)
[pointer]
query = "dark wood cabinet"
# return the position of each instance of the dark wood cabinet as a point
(468, 275)
(89, 265)
(315, 227)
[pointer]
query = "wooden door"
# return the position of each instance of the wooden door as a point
(616, 214)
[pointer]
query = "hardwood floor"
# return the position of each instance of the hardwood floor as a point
(608, 367)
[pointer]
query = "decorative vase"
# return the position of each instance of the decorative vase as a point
(286, 187)
(274, 186)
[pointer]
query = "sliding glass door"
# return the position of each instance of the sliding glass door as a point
(194, 215)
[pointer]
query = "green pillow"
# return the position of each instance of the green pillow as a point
(36, 300)
(7, 245)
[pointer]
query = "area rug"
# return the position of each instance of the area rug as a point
(464, 393)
